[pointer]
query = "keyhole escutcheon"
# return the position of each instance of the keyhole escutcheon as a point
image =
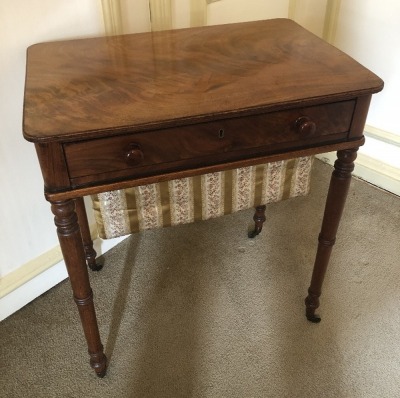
(221, 133)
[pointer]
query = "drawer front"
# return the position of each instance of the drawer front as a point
(145, 153)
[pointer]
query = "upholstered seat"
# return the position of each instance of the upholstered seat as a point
(201, 197)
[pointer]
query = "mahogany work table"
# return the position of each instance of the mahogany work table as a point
(116, 112)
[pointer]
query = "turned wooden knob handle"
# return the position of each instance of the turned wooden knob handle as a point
(134, 155)
(305, 126)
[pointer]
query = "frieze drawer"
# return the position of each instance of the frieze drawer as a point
(147, 152)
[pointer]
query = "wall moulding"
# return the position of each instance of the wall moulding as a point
(112, 17)
(331, 20)
(382, 135)
(292, 9)
(198, 12)
(160, 14)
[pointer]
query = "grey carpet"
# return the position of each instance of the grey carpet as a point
(202, 311)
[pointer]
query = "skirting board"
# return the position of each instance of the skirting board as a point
(34, 278)
(376, 171)
(22, 294)
(372, 171)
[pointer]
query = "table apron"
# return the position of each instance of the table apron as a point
(129, 183)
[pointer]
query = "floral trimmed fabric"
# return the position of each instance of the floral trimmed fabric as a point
(201, 197)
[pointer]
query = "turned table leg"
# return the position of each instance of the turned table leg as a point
(338, 189)
(86, 238)
(69, 236)
(259, 218)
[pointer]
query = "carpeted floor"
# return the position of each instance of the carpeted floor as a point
(202, 311)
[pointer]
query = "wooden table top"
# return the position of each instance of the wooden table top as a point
(103, 86)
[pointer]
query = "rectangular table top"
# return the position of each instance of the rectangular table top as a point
(87, 88)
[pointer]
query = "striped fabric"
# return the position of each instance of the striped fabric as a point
(201, 197)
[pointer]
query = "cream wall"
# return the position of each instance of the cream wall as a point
(26, 224)
(310, 14)
(135, 19)
(25, 219)
(369, 31)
